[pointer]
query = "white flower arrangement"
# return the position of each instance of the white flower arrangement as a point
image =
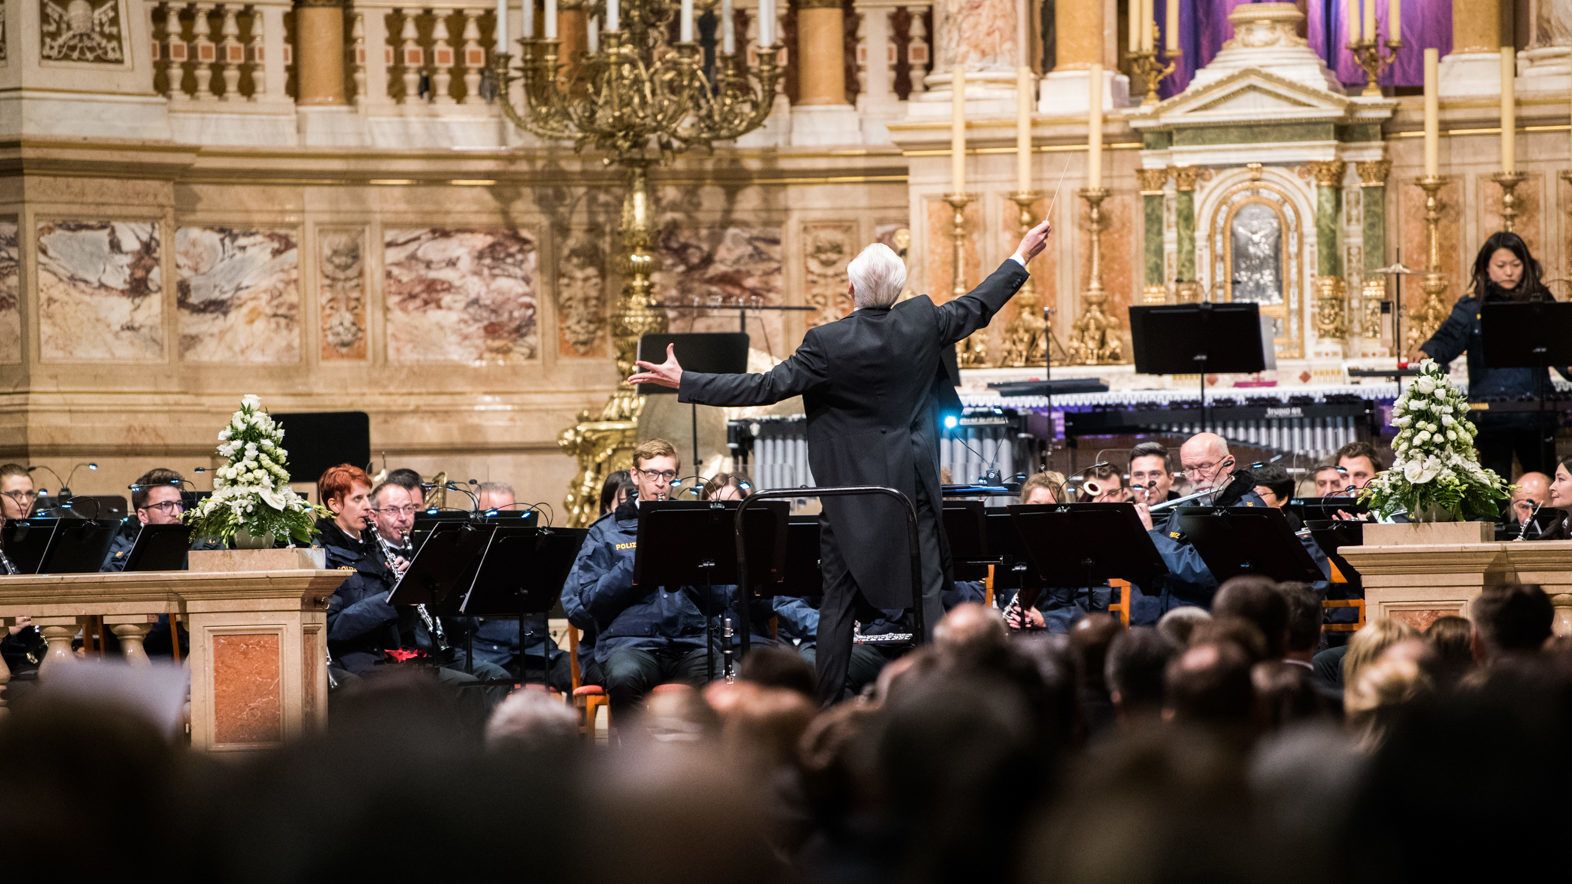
(1436, 469)
(251, 492)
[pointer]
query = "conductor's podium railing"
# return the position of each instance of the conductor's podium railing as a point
(744, 591)
(258, 638)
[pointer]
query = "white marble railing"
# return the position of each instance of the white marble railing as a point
(222, 53)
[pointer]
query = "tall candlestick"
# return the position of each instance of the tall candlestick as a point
(958, 131)
(1133, 13)
(551, 20)
(685, 25)
(1369, 25)
(728, 28)
(1394, 19)
(528, 7)
(1432, 115)
(592, 34)
(1094, 133)
(1171, 30)
(1024, 93)
(613, 16)
(1353, 21)
(1508, 110)
(766, 22)
(501, 34)
(1148, 26)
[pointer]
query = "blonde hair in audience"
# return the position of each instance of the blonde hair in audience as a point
(1368, 643)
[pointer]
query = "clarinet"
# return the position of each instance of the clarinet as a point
(728, 666)
(398, 565)
(36, 649)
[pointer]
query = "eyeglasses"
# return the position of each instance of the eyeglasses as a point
(1202, 467)
(663, 475)
(166, 506)
(20, 497)
(397, 510)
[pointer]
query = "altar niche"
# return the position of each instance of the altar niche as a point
(1253, 249)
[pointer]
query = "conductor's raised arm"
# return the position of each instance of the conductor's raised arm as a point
(972, 311)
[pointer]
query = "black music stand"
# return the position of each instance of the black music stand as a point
(694, 543)
(1247, 540)
(802, 577)
(1323, 508)
(1202, 338)
(1087, 544)
(1331, 535)
(712, 352)
(26, 541)
(964, 527)
(79, 546)
(160, 548)
(1529, 334)
(521, 574)
(443, 568)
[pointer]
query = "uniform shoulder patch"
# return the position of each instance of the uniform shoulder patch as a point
(1175, 534)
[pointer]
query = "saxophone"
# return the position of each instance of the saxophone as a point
(398, 565)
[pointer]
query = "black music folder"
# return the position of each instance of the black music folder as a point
(443, 568)
(694, 543)
(1526, 334)
(1246, 540)
(717, 352)
(1190, 338)
(26, 541)
(79, 546)
(1087, 544)
(160, 548)
(521, 571)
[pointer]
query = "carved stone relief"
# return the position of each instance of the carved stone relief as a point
(827, 247)
(87, 31)
(342, 292)
(581, 294)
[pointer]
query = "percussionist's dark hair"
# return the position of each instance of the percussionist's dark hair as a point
(1530, 284)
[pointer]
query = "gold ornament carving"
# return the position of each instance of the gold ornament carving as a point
(1373, 173)
(1331, 308)
(1325, 173)
(1152, 180)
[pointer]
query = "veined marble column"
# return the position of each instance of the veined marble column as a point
(1548, 58)
(983, 37)
(1080, 29)
(1154, 288)
(1372, 183)
(319, 53)
(1187, 288)
(1473, 67)
(1331, 295)
(821, 114)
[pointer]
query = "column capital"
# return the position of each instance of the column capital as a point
(1152, 180)
(1373, 173)
(1325, 173)
(1185, 177)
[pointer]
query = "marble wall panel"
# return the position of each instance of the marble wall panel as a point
(581, 297)
(10, 291)
(939, 255)
(722, 268)
(1410, 218)
(341, 292)
(1044, 270)
(100, 291)
(238, 294)
(248, 698)
(461, 295)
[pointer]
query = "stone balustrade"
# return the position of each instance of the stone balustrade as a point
(258, 641)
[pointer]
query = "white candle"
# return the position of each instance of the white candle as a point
(592, 34)
(613, 16)
(551, 19)
(502, 26)
(1353, 21)
(728, 28)
(528, 7)
(1369, 26)
(685, 25)
(1148, 26)
(1024, 95)
(1432, 115)
(766, 22)
(1133, 12)
(1508, 110)
(1094, 130)
(1394, 19)
(958, 131)
(1171, 38)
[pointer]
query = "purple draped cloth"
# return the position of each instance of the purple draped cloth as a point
(1203, 28)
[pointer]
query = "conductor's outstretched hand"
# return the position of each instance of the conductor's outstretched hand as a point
(667, 374)
(1033, 242)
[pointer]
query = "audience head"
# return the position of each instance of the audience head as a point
(495, 496)
(1150, 465)
(655, 466)
(1379, 692)
(1137, 661)
(1304, 621)
(1360, 461)
(1206, 461)
(1178, 623)
(1273, 484)
(155, 497)
(346, 491)
(1257, 601)
(1453, 640)
(1285, 694)
(876, 277)
(1043, 487)
(531, 720)
(1090, 639)
(16, 491)
(726, 486)
(1368, 643)
(1329, 481)
(1232, 629)
(970, 626)
(1512, 618)
(1529, 492)
(1505, 264)
(614, 491)
(392, 511)
(1209, 684)
(773, 666)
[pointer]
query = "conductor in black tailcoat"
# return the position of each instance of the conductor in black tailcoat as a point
(869, 384)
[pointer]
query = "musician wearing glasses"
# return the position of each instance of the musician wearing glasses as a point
(155, 500)
(16, 491)
(647, 634)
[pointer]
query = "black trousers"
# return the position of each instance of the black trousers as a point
(1525, 436)
(843, 598)
(632, 672)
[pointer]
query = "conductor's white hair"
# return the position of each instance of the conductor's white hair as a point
(877, 276)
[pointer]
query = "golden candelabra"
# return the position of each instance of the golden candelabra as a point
(1029, 338)
(974, 350)
(638, 101)
(1094, 339)
(1370, 57)
(1433, 311)
(1151, 70)
(1509, 182)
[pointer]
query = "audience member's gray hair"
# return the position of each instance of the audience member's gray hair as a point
(1177, 624)
(495, 488)
(877, 276)
(531, 719)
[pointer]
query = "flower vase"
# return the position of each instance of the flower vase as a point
(246, 540)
